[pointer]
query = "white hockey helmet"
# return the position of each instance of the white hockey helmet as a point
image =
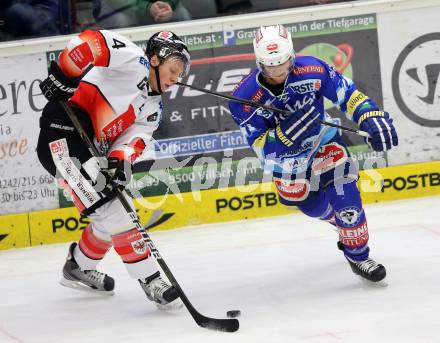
(273, 46)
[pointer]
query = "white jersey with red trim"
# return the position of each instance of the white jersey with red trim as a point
(115, 91)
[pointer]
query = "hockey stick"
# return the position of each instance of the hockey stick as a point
(228, 325)
(270, 108)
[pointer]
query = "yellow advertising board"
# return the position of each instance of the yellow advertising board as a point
(56, 226)
(14, 231)
(215, 205)
(400, 182)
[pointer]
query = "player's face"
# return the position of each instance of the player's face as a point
(170, 71)
(277, 74)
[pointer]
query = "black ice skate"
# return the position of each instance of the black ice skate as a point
(157, 290)
(369, 269)
(85, 280)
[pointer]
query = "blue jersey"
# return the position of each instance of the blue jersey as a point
(309, 81)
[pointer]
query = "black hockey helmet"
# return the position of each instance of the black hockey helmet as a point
(166, 44)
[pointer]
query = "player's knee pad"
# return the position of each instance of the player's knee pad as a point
(350, 216)
(135, 253)
(112, 218)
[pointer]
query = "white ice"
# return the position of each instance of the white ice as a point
(285, 274)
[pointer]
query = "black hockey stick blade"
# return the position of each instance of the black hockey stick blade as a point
(226, 325)
(217, 324)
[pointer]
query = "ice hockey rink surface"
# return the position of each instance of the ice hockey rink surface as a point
(285, 274)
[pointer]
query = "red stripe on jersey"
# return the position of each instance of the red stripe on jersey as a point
(81, 55)
(93, 49)
(76, 200)
(98, 46)
(118, 125)
(138, 146)
(131, 246)
(92, 246)
(90, 99)
(106, 123)
(67, 65)
(119, 154)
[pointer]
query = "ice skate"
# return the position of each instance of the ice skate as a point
(85, 280)
(157, 290)
(368, 270)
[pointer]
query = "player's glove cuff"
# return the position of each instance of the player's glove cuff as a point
(371, 114)
(379, 125)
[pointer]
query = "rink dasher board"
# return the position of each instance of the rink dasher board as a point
(215, 205)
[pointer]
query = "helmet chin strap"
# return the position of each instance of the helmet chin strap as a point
(156, 72)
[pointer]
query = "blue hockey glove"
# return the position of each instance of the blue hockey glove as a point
(298, 126)
(379, 125)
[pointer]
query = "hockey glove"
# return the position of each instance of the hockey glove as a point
(379, 125)
(57, 86)
(118, 174)
(298, 126)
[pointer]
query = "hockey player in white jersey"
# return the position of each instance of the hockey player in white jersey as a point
(114, 88)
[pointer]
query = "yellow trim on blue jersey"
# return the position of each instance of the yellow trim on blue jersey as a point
(283, 138)
(260, 141)
(355, 100)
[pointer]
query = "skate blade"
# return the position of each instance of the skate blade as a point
(174, 305)
(377, 284)
(84, 288)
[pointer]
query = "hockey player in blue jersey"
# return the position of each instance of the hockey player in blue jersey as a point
(311, 165)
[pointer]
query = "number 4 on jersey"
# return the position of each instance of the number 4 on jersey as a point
(117, 44)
